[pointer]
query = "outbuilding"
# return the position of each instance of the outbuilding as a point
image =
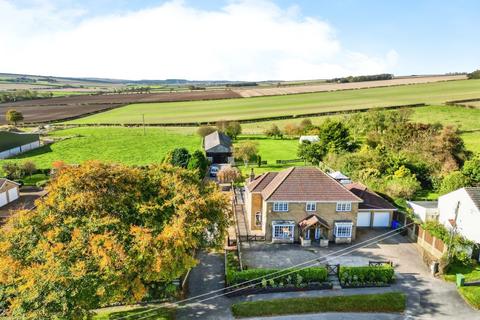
(12, 143)
(9, 191)
(218, 147)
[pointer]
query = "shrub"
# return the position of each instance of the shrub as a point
(453, 181)
(312, 274)
(204, 131)
(199, 162)
(366, 275)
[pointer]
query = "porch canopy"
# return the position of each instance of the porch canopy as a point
(311, 221)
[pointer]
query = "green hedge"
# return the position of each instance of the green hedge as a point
(366, 275)
(312, 274)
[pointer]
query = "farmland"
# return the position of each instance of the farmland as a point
(130, 146)
(307, 88)
(125, 145)
(264, 107)
(46, 110)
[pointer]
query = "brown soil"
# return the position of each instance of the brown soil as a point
(62, 108)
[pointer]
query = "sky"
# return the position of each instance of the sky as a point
(245, 40)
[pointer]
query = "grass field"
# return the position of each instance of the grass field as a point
(386, 302)
(124, 145)
(248, 108)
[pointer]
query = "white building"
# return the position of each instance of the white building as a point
(8, 191)
(424, 210)
(12, 143)
(468, 218)
(311, 139)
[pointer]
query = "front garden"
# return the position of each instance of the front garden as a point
(471, 272)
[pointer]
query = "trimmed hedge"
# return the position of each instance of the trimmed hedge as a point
(312, 274)
(366, 276)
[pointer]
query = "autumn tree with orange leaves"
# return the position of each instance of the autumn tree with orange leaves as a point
(105, 234)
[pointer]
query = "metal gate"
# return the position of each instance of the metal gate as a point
(333, 269)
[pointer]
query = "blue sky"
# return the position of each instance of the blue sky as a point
(331, 38)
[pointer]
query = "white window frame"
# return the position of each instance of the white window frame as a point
(281, 234)
(344, 206)
(258, 219)
(307, 234)
(311, 206)
(280, 206)
(343, 229)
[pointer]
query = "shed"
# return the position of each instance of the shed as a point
(311, 139)
(218, 147)
(8, 191)
(12, 143)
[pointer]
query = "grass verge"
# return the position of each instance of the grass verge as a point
(471, 273)
(135, 313)
(386, 302)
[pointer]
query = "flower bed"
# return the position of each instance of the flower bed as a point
(360, 277)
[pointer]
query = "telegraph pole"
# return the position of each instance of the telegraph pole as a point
(453, 231)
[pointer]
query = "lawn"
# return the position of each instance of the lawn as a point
(271, 150)
(137, 313)
(472, 273)
(386, 302)
(252, 108)
(124, 145)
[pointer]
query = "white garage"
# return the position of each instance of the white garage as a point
(3, 199)
(363, 219)
(8, 191)
(13, 194)
(381, 219)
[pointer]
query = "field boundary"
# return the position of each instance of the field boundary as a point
(251, 120)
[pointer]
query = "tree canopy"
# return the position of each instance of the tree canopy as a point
(14, 116)
(105, 233)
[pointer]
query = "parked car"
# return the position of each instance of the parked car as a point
(213, 171)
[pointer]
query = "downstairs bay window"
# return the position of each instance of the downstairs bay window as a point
(283, 231)
(343, 229)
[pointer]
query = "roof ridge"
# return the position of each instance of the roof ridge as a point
(290, 170)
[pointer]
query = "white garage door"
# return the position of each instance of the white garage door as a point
(381, 219)
(12, 194)
(3, 199)
(363, 219)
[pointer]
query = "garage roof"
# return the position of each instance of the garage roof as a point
(10, 140)
(371, 200)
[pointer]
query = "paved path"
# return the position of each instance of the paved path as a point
(207, 276)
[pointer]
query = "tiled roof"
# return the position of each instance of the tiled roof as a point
(312, 220)
(261, 181)
(306, 184)
(371, 200)
(216, 138)
(474, 194)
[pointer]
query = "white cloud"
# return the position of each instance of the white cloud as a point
(245, 40)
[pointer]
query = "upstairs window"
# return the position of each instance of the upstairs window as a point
(311, 206)
(344, 206)
(280, 206)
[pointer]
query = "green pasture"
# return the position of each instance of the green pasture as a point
(124, 145)
(297, 104)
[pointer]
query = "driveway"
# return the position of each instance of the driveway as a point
(428, 297)
(206, 277)
(27, 198)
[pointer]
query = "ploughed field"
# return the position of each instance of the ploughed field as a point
(62, 108)
(286, 105)
(279, 90)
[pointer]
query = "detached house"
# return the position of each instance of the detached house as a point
(300, 203)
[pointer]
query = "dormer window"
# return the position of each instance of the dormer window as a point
(344, 206)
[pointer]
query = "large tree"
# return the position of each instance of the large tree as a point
(14, 116)
(246, 150)
(104, 234)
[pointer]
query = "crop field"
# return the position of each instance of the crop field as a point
(46, 110)
(281, 90)
(124, 145)
(264, 107)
